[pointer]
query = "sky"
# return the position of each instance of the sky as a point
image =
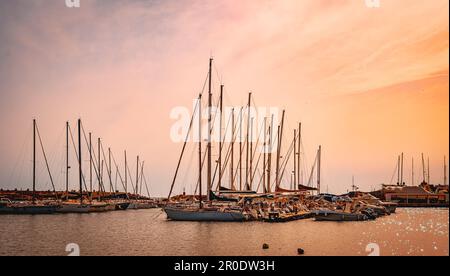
(366, 83)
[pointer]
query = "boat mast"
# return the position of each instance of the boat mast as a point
(110, 171)
(401, 171)
(126, 178)
(200, 150)
(232, 149)
(251, 153)
(100, 171)
(412, 171)
(295, 158)
(90, 162)
(34, 161)
(299, 177)
(79, 162)
(137, 176)
(280, 138)
(240, 149)
(269, 161)
(67, 160)
(220, 135)
(319, 157)
(264, 155)
(428, 170)
(209, 179)
(423, 169)
(247, 185)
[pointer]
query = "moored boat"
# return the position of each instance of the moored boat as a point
(8, 207)
(327, 215)
(73, 208)
(202, 214)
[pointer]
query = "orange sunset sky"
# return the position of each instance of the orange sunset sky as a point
(366, 83)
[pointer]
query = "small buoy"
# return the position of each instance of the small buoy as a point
(265, 246)
(300, 251)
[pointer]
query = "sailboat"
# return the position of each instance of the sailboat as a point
(69, 206)
(201, 212)
(8, 207)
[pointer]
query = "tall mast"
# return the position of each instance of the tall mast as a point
(428, 170)
(401, 171)
(295, 158)
(280, 139)
(137, 175)
(398, 170)
(34, 160)
(423, 169)
(299, 177)
(412, 171)
(220, 135)
(200, 149)
(277, 159)
(240, 149)
(110, 171)
(251, 154)
(319, 157)
(79, 162)
(445, 171)
(264, 154)
(90, 162)
(100, 172)
(247, 143)
(232, 150)
(126, 178)
(67, 160)
(269, 161)
(209, 181)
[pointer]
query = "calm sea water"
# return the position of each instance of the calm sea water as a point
(147, 232)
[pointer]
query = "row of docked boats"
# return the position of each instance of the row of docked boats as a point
(83, 200)
(50, 207)
(241, 200)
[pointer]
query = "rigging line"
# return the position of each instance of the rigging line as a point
(107, 169)
(20, 159)
(94, 158)
(256, 167)
(256, 147)
(120, 176)
(77, 156)
(197, 107)
(145, 181)
(222, 146)
(54, 157)
(115, 183)
(393, 175)
(189, 166)
(131, 179)
(260, 180)
(46, 162)
(286, 160)
(240, 148)
(220, 78)
(304, 159)
(312, 170)
(210, 132)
